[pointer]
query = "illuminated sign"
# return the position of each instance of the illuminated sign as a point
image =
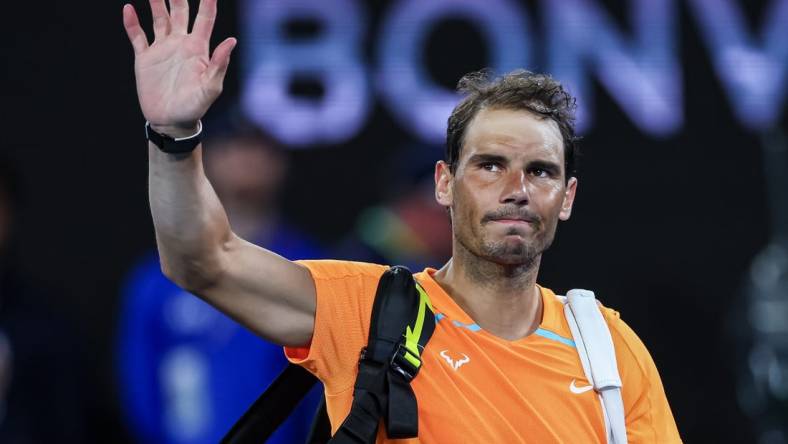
(639, 69)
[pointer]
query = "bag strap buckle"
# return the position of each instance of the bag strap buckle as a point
(406, 363)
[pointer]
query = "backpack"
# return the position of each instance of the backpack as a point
(402, 323)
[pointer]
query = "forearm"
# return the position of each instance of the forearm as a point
(191, 225)
(177, 81)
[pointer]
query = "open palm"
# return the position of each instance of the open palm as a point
(177, 81)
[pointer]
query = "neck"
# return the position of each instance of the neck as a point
(502, 299)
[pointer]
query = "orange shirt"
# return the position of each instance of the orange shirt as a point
(475, 387)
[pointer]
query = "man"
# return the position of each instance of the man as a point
(500, 366)
(188, 372)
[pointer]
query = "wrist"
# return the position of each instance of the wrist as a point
(177, 131)
(176, 140)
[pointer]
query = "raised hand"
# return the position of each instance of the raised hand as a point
(177, 80)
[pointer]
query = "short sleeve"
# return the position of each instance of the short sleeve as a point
(345, 294)
(648, 415)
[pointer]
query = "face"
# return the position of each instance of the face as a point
(509, 188)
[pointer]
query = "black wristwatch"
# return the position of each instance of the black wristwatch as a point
(172, 145)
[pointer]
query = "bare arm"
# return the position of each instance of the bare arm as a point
(177, 82)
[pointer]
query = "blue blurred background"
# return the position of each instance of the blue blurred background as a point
(324, 139)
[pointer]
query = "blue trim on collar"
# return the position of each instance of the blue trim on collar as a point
(555, 337)
(547, 334)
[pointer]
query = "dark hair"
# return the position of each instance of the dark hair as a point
(518, 90)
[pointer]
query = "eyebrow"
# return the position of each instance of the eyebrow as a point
(484, 158)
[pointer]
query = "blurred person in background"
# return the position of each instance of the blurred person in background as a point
(41, 387)
(408, 227)
(187, 371)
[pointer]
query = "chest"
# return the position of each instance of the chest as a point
(474, 387)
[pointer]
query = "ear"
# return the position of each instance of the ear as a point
(569, 199)
(443, 182)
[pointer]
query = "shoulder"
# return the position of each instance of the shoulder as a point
(649, 418)
(330, 269)
(345, 293)
(631, 352)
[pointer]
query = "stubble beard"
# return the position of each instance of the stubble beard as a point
(519, 252)
(486, 259)
(507, 253)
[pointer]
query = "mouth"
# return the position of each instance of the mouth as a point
(513, 221)
(513, 227)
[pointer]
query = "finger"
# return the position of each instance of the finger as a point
(161, 18)
(133, 29)
(179, 16)
(217, 67)
(206, 16)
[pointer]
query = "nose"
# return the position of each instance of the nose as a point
(515, 189)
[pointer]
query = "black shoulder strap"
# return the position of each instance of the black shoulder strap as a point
(402, 322)
(271, 409)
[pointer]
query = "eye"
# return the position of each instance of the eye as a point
(491, 167)
(538, 172)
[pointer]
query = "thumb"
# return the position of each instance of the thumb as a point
(217, 66)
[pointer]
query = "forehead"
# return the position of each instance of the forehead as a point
(513, 132)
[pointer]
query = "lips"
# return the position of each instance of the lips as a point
(512, 221)
(511, 217)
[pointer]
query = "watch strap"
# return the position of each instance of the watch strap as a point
(173, 145)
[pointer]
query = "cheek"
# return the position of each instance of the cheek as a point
(461, 210)
(549, 202)
(464, 202)
(553, 193)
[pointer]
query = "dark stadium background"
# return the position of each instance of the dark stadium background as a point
(664, 229)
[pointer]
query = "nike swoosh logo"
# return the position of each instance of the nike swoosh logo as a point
(577, 390)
